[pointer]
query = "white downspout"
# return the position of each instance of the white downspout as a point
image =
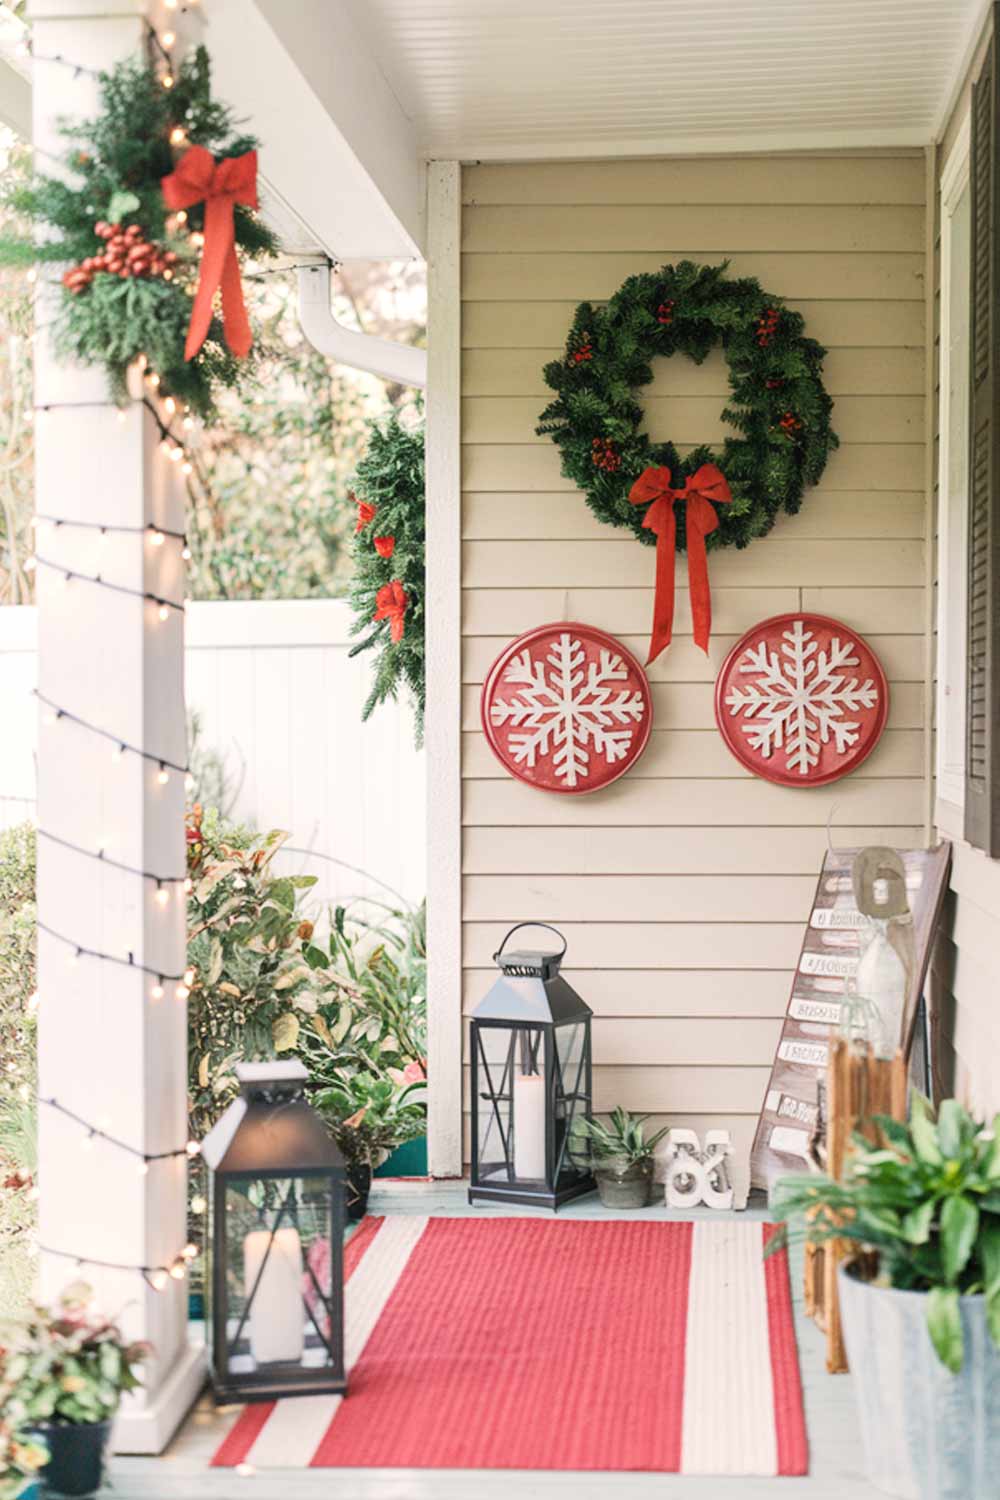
(362, 351)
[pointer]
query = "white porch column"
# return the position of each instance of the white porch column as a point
(110, 1047)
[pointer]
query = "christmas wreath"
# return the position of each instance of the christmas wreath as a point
(777, 404)
(387, 591)
(158, 177)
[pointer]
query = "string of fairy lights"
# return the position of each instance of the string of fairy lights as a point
(53, 714)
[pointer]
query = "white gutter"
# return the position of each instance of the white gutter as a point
(362, 351)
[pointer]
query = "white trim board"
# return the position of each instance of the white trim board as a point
(443, 625)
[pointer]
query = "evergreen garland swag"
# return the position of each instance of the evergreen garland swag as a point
(134, 266)
(387, 590)
(777, 400)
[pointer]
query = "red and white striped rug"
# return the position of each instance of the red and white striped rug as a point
(515, 1343)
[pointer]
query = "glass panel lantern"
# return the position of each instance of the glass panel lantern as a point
(531, 1079)
(276, 1242)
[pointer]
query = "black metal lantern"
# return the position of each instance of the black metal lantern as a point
(276, 1242)
(531, 1079)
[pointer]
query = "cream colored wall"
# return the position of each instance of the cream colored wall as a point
(965, 970)
(683, 888)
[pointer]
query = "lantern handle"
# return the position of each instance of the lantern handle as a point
(517, 927)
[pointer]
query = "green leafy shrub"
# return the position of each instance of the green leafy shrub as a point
(66, 1364)
(251, 986)
(927, 1200)
(17, 1065)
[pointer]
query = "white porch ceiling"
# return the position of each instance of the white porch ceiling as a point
(515, 78)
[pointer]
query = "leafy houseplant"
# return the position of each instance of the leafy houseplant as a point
(921, 1311)
(367, 1117)
(619, 1155)
(62, 1376)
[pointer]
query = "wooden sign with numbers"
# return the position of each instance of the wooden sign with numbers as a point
(822, 984)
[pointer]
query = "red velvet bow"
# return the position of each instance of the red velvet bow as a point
(703, 490)
(198, 176)
(391, 602)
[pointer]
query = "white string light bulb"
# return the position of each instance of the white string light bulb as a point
(162, 775)
(182, 992)
(193, 1149)
(157, 538)
(158, 1280)
(162, 895)
(156, 990)
(163, 612)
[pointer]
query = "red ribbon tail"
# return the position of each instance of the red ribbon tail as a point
(699, 524)
(239, 337)
(663, 603)
(214, 262)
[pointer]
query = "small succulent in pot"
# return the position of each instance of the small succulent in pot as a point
(620, 1156)
(62, 1374)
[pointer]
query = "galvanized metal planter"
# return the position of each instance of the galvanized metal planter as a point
(927, 1434)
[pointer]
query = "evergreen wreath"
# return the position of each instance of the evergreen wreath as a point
(777, 400)
(133, 265)
(387, 591)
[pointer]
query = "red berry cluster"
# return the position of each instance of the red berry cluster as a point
(128, 253)
(665, 313)
(584, 352)
(774, 382)
(604, 455)
(790, 423)
(767, 326)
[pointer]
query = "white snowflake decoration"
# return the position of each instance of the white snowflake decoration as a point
(560, 708)
(800, 700)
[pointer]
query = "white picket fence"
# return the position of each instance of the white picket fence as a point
(279, 699)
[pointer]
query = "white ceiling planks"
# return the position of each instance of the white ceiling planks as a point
(501, 79)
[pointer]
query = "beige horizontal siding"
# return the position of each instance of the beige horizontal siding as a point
(734, 850)
(816, 180)
(683, 888)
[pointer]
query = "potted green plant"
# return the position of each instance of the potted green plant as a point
(619, 1155)
(62, 1374)
(920, 1302)
(367, 1117)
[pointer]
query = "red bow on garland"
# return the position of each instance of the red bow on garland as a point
(391, 602)
(701, 489)
(223, 184)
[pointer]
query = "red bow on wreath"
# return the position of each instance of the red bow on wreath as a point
(703, 490)
(391, 602)
(223, 184)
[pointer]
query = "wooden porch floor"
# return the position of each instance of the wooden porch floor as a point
(183, 1473)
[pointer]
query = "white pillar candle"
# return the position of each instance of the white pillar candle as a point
(529, 1126)
(276, 1315)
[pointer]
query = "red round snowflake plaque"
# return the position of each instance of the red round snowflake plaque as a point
(801, 700)
(566, 708)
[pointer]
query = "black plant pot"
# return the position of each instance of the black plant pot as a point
(76, 1456)
(359, 1183)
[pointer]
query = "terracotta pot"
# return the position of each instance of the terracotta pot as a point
(628, 1187)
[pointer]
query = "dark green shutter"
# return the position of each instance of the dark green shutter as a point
(982, 750)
